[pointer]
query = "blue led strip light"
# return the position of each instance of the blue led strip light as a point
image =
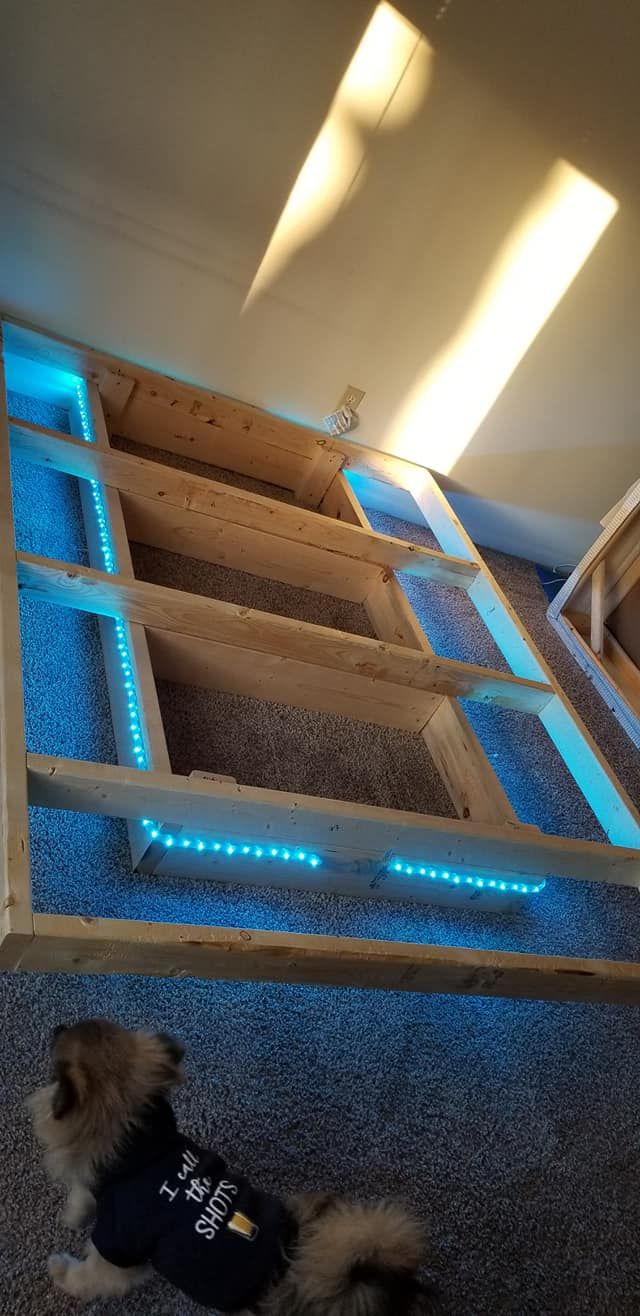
(110, 565)
(225, 848)
(443, 875)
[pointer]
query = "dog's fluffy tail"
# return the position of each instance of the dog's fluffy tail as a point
(363, 1261)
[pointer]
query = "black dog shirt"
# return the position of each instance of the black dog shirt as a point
(169, 1202)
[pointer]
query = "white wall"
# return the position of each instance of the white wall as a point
(147, 154)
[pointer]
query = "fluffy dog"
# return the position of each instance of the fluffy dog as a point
(161, 1202)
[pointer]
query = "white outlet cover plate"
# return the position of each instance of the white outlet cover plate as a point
(352, 397)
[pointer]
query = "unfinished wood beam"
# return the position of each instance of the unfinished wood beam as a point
(298, 528)
(622, 669)
(16, 923)
(612, 671)
(614, 675)
(322, 825)
(392, 616)
(341, 503)
(277, 460)
(263, 632)
(470, 781)
(617, 545)
(610, 803)
(212, 666)
(151, 725)
(241, 548)
(464, 767)
(115, 392)
(167, 950)
(224, 414)
(622, 585)
(323, 467)
(343, 873)
(598, 581)
(466, 772)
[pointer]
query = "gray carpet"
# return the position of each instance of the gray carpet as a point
(511, 1127)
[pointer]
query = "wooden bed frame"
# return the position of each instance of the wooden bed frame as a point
(597, 612)
(214, 827)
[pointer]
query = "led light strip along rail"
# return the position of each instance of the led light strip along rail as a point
(462, 879)
(224, 848)
(110, 565)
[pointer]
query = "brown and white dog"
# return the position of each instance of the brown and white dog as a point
(161, 1202)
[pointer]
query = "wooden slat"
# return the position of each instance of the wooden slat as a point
(618, 544)
(598, 581)
(372, 464)
(622, 552)
(205, 663)
(341, 503)
(16, 925)
(324, 466)
(168, 950)
(610, 803)
(173, 430)
(151, 725)
(609, 674)
(226, 415)
(622, 670)
(617, 550)
(464, 768)
(115, 392)
(252, 813)
(453, 745)
(262, 632)
(297, 527)
(180, 530)
(151, 717)
(624, 582)
(392, 616)
(342, 873)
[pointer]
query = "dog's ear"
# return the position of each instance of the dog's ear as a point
(66, 1094)
(174, 1052)
(57, 1032)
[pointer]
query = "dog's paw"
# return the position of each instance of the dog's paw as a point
(58, 1265)
(61, 1269)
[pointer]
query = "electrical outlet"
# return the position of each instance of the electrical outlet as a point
(352, 397)
(339, 422)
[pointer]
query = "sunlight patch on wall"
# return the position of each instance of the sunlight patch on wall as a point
(382, 88)
(535, 266)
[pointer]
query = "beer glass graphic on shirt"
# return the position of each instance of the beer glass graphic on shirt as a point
(240, 1224)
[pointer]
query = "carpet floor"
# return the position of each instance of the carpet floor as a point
(510, 1126)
